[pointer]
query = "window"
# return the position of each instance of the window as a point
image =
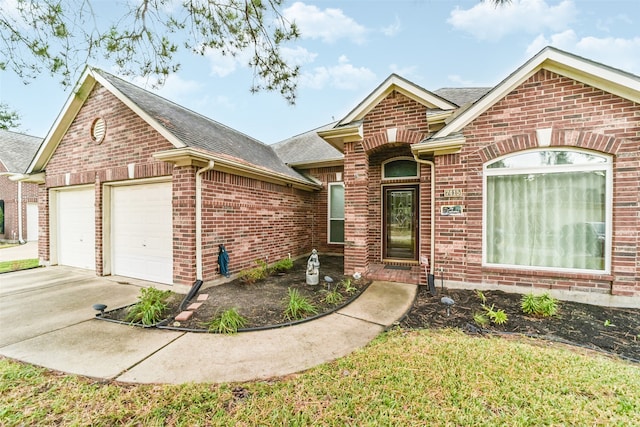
(548, 209)
(1, 216)
(336, 213)
(399, 168)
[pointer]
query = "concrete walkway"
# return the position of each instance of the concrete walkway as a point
(27, 251)
(46, 319)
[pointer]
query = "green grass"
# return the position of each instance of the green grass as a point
(22, 264)
(402, 378)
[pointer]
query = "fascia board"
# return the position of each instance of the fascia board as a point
(72, 106)
(188, 156)
(395, 82)
(579, 69)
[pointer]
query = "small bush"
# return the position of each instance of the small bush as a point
(350, 289)
(499, 317)
(254, 274)
(227, 323)
(333, 297)
(298, 306)
(283, 265)
(481, 320)
(481, 296)
(539, 305)
(150, 308)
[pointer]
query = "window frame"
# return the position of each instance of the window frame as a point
(330, 187)
(606, 167)
(396, 178)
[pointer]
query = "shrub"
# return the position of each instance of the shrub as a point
(333, 297)
(254, 274)
(283, 265)
(150, 308)
(227, 323)
(298, 306)
(481, 319)
(348, 287)
(539, 305)
(499, 317)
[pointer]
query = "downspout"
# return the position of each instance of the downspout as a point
(433, 210)
(20, 239)
(199, 218)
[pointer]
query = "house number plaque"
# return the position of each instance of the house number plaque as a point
(454, 192)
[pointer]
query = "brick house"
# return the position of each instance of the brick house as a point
(18, 200)
(532, 183)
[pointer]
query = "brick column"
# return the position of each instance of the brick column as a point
(356, 180)
(184, 224)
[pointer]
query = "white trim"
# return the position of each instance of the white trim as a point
(588, 72)
(410, 90)
(329, 218)
(607, 167)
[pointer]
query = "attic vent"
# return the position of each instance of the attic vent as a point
(98, 130)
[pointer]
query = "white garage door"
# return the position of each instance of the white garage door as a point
(142, 232)
(76, 234)
(32, 222)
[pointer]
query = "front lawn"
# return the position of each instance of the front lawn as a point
(427, 377)
(22, 264)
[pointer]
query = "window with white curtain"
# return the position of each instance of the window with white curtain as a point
(548, 209)
(336, 213)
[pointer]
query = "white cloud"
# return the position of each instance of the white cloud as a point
(223, 65)
(175, 87)
(488, 22)
(298, 55)
(328, 25)
(342, 76)
(613, 51)
(392, 29)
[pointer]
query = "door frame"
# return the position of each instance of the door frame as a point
(416, 221)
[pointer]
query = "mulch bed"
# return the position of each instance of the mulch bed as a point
(611, 330)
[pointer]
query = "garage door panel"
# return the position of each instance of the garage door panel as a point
(76, 228)
(142, 232)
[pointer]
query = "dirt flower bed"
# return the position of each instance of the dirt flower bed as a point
(263, 303)
(613, 330)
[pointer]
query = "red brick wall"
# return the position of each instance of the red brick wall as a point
(363, 180)
(581, 116)
(254, 220)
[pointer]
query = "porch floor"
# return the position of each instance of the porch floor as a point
(391, 273)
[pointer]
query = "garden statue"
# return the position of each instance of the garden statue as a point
(223, 261)
(313, 269)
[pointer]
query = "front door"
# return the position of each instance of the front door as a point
(400, 225)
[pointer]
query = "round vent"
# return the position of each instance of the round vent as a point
(98, 130)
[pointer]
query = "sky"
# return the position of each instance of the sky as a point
(347, 48)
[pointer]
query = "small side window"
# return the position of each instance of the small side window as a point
(336, 213)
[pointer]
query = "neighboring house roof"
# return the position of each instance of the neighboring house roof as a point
(180, 126)
(308, 148)
(612, 80)
(462, 95)
(17, 150)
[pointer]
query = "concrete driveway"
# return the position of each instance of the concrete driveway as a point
(46, 319)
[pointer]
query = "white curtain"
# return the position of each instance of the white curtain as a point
(546, 219)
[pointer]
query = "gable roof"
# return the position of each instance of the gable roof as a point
(396, 83)
(309, 149)
(612, 80)
(462, 95)
(17, 150)
(180, 126)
